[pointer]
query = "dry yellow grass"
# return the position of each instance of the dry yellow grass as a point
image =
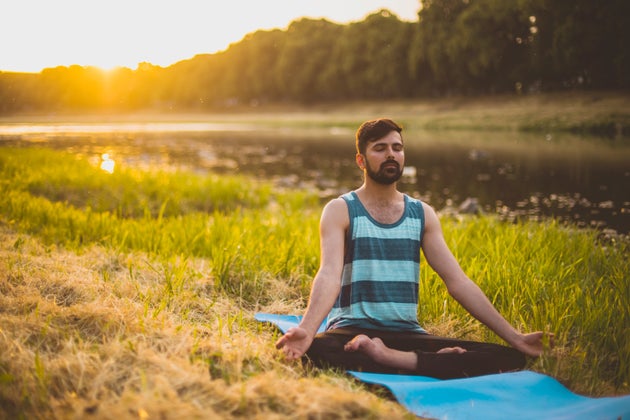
(87, 336)
(97, 333)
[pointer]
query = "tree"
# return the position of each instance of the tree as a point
(436, 22)
(372, 57)
(301, 70)
(581, 43)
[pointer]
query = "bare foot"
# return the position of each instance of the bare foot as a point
(373, 347)
(376, 350)
(457, 350)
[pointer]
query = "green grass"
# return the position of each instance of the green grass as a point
(154, 277)
(229, 220)
(544, 276)
(596, 113)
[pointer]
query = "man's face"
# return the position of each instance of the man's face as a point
(385, 158)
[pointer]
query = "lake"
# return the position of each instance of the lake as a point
(579, 180)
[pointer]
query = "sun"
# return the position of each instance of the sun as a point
(123, 33)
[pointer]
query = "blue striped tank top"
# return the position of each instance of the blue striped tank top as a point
(379, 283)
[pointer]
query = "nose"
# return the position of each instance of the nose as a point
(391, 153)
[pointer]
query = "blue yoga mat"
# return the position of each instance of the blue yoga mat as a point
(515, 395)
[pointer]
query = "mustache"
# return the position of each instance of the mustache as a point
(389, 162)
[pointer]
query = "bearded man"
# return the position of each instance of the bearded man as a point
(367, 282)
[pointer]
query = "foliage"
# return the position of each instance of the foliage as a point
(99, 333)
(456, 47)
(545, 277)
(580, 43)
(199, 272)
(128, 193)
(66, 201)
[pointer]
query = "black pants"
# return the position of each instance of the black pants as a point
(479, 359)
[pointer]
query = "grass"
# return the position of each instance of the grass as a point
(605, 114)
(132, 294)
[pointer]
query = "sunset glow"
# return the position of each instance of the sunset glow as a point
(115, 33)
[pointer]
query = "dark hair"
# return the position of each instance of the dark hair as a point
(373, 130)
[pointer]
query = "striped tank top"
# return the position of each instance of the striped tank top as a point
(379, 282)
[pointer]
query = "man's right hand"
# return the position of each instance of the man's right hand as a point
(294, 343)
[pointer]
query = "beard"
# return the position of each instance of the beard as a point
(386, 175)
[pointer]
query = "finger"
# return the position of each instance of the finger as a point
(286, 337)
(280, 343)
(290, 355)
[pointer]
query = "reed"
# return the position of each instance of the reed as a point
(120, 297)
(544, 276)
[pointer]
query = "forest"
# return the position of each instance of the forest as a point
(457, 47)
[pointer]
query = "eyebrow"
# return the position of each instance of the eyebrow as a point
(382, 142)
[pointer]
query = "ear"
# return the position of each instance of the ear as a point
(360, 160)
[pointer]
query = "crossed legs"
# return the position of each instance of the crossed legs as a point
(420, 354)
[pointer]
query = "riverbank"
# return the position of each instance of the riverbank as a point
(133, 294)
(605, 114)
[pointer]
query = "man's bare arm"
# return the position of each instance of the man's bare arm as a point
(467, 293)
(327, 282)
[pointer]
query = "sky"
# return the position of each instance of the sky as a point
(37, 34)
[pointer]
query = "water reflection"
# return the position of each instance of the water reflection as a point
(577, 180)
(107, 163)
(129, 127)
(581, 181)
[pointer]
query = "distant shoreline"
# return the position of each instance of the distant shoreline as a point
(604, 114)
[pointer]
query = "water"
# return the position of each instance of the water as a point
(580, 181)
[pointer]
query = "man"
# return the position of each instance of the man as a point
(367, 282)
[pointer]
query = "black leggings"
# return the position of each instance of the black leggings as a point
(479, 358)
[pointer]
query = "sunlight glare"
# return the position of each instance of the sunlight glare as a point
(120, 33)
(107, 163)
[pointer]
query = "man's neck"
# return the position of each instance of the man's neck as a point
(383, 202)
(379, 194)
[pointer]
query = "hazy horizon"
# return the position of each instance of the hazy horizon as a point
(122, 34)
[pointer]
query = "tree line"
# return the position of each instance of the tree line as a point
(457, 47)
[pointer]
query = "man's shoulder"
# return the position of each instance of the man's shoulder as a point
(412, 199)
(336, 205)
(419, 202)
(335, 214)
(342, 202)
(349, 196)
